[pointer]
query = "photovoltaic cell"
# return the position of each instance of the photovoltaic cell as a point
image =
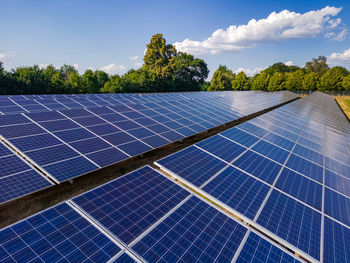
(238, 190)
(55, 235)
(193, 164)
(194, 232)
(257, 249)
(221, 147)
(293, 222)
(337, 182)
(305, 167)
(273, 152)
(336, 242)
(129, 205)
(258, 166)
(301, 188)
(337, 206)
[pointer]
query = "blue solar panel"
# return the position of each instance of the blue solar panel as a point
(155, 141)
(45, 116)
(300, 187)
(4, 150)
(20, 130)
(258, 166)
(253, 129)
(89, 121)
(59, 125)
(107, 156)
(134, 148)
(280, 141)
(52, 154)
(118, 138)
(74, 135)
(337, 182)
(273, 152)
(338, 167)
(193, 164)
(103, 129)
(124, 258)
(70, 168)
(257, 249)
(337, 206)
(35, 142)
(293, 222)
(129, 205)
(221, 147)
(90, 145)
(238, 190)
(141, 133)
(308, 154)
(194, 232)
(240, 136)
(305, 167)
(336, 242)
(58, 234)
(286, 134)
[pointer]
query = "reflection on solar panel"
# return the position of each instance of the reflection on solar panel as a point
(67, 136)
(285, 172)
(58, 234)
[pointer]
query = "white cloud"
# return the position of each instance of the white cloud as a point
(134, 58)
(138, 64)
(5, 56)
(113, 68)
(276, 27)
(289, 63)
(341, 36)
(43, 65)
(339, 58)
(250, 72)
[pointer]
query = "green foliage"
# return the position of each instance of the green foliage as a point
(294, 80)
(332, 80)
(317, 65)
(217, 82)
(281, 68)
(310, 81)
(346, 83)
(261, 81)
(240, 82)
(277, 82)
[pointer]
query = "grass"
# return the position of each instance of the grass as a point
(344, 103)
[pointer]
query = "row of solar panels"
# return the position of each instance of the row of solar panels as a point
(287, 173)
(140, 217)
(38, 103)
(54, 146)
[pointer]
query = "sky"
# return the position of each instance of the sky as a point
(112, 35)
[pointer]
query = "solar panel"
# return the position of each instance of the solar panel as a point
(194, 232)
(257, 249)
(54, 235)
(17, 178)
(129, 205)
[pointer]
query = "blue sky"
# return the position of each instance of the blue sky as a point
(111, 34)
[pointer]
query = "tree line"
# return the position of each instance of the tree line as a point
(315, 75)
(165, 69)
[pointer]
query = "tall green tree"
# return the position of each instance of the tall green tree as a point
(317, 65)
(310, 82)
(332, 80)
(217, 82)
(280, 67)
(90, 82)
(294, 80)
(277, 82)
(241, 82)
(261, 81)
(346, 83)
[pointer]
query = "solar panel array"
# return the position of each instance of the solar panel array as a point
(140, 217)
(285, 172)
(77, 134)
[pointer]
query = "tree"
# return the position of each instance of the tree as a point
(89, 82)
(346, 83)
(261, 81)
(102, 77)
(294, 80)
(158, 57)
(277, 82)
(114, 85)
(241, 82)
(311, 81)
(332, 80)
(317, 65)
(217, 82)
(189, 72)
(280, 67)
